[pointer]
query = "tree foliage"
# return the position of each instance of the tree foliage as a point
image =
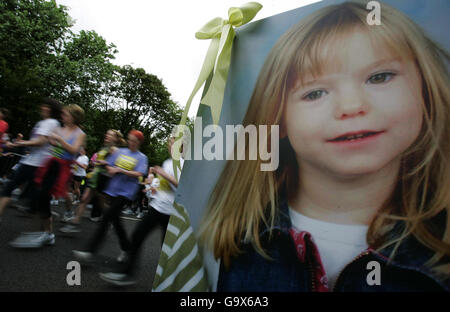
(31, 34)
(41, 57)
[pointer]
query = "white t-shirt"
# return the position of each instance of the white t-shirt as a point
(38, 154)
(165, 194)
(77, 170)
(338, 244)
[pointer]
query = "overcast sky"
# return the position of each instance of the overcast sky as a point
(159, 35)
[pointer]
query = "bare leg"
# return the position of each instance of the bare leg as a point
(68, 202)
(47, 224)
(4, 201)
(76, 190)
(87, 196)
(102, 201)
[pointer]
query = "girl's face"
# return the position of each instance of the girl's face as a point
(133, 142)
(110, 137)
(360, 115)
(66, 117)
(45, 111)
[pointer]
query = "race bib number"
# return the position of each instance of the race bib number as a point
(125, 162)
(102, 154)
(58, 152)
(164, 185)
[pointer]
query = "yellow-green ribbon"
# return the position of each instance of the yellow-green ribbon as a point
(217, 60)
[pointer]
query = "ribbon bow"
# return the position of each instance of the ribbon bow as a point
(218, 57)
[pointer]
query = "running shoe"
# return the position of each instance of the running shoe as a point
(71, 228)
(118, 279)
(33, 240)
(68, 216)
(83, 256)
(128, 211)
(123, 257)
(24, 211)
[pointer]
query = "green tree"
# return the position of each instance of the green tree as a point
(87, 66)
(40, 57)
(31, 34)
(89, 79)
(143, 102)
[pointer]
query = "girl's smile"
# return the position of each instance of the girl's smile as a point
(356, 139)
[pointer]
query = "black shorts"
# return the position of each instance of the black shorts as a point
(78, 178)
(23, 174)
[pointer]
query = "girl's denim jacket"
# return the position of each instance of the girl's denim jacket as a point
(251, 272)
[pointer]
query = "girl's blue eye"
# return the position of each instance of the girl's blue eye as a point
(380, 78)
(314, 95)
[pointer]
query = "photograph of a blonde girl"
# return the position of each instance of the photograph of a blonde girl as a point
(360, 200)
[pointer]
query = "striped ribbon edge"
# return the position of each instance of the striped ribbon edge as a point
(180, 266)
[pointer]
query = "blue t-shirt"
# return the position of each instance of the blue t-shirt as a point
(121, 184)
(59, 152)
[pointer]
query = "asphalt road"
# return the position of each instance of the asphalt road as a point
(45, 269)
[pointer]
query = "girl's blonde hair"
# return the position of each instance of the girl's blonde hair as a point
(120, 140)
(245, 198)
(76, 112)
